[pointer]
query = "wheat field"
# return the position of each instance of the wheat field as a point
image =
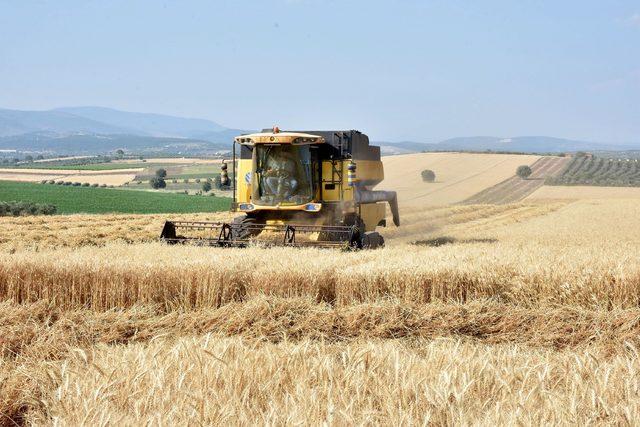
(113, 177)
(526, 313)
(458, 175)
(582, 192)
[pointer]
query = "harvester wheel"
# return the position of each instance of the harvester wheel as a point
(356, 240)
(241, 231)
(372, 240)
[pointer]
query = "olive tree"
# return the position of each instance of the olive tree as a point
(523, 171)
(428, 175)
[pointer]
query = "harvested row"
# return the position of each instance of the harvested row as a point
(575, 192)
(515, 188)
(120, 276)
(472, 221)
(43, 331)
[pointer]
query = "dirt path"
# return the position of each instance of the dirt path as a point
(516, 188)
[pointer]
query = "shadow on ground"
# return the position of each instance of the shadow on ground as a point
(447, 240)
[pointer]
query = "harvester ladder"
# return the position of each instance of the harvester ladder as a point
(340, 142)
(336, 175)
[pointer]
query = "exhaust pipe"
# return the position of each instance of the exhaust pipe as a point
(371, 196)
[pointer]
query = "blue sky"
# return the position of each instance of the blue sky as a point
(402, 70)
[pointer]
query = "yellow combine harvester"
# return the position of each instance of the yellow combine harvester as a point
(302, 188)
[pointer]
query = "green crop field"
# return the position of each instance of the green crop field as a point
(71, 200)
(179, 186)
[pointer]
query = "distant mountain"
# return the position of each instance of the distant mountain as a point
(16, 122)
(524, 144)
(145, 123)
(223, 136)
(528, 144)
(98, 130)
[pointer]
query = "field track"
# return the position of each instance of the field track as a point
(515, 188)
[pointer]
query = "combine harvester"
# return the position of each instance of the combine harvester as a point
(308, 188)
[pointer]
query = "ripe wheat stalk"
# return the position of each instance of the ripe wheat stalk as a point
(521, 317)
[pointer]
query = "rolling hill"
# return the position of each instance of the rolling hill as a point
(16, 122)
(526, 144)
(517, 144)
(97, 130)
(160, 125)
(100, 144)
(458, 176)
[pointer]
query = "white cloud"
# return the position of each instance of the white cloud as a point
(634, 19)
(628, 80)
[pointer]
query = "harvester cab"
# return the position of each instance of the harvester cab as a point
(299, 188)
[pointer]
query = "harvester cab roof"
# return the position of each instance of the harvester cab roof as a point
(274, 137)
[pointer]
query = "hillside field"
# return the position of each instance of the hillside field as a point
(516, 188)
(458, 175)
(70, 199)
(581, 192)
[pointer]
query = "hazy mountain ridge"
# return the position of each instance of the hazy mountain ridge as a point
(538, 144)
(147, 124)
(525, 144)
(99, 129)
(17, 122)
(97, 144)
(95, 130)
(226, 135)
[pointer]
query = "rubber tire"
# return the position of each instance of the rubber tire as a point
(351, 220)
(372, 240)
(244, 233)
